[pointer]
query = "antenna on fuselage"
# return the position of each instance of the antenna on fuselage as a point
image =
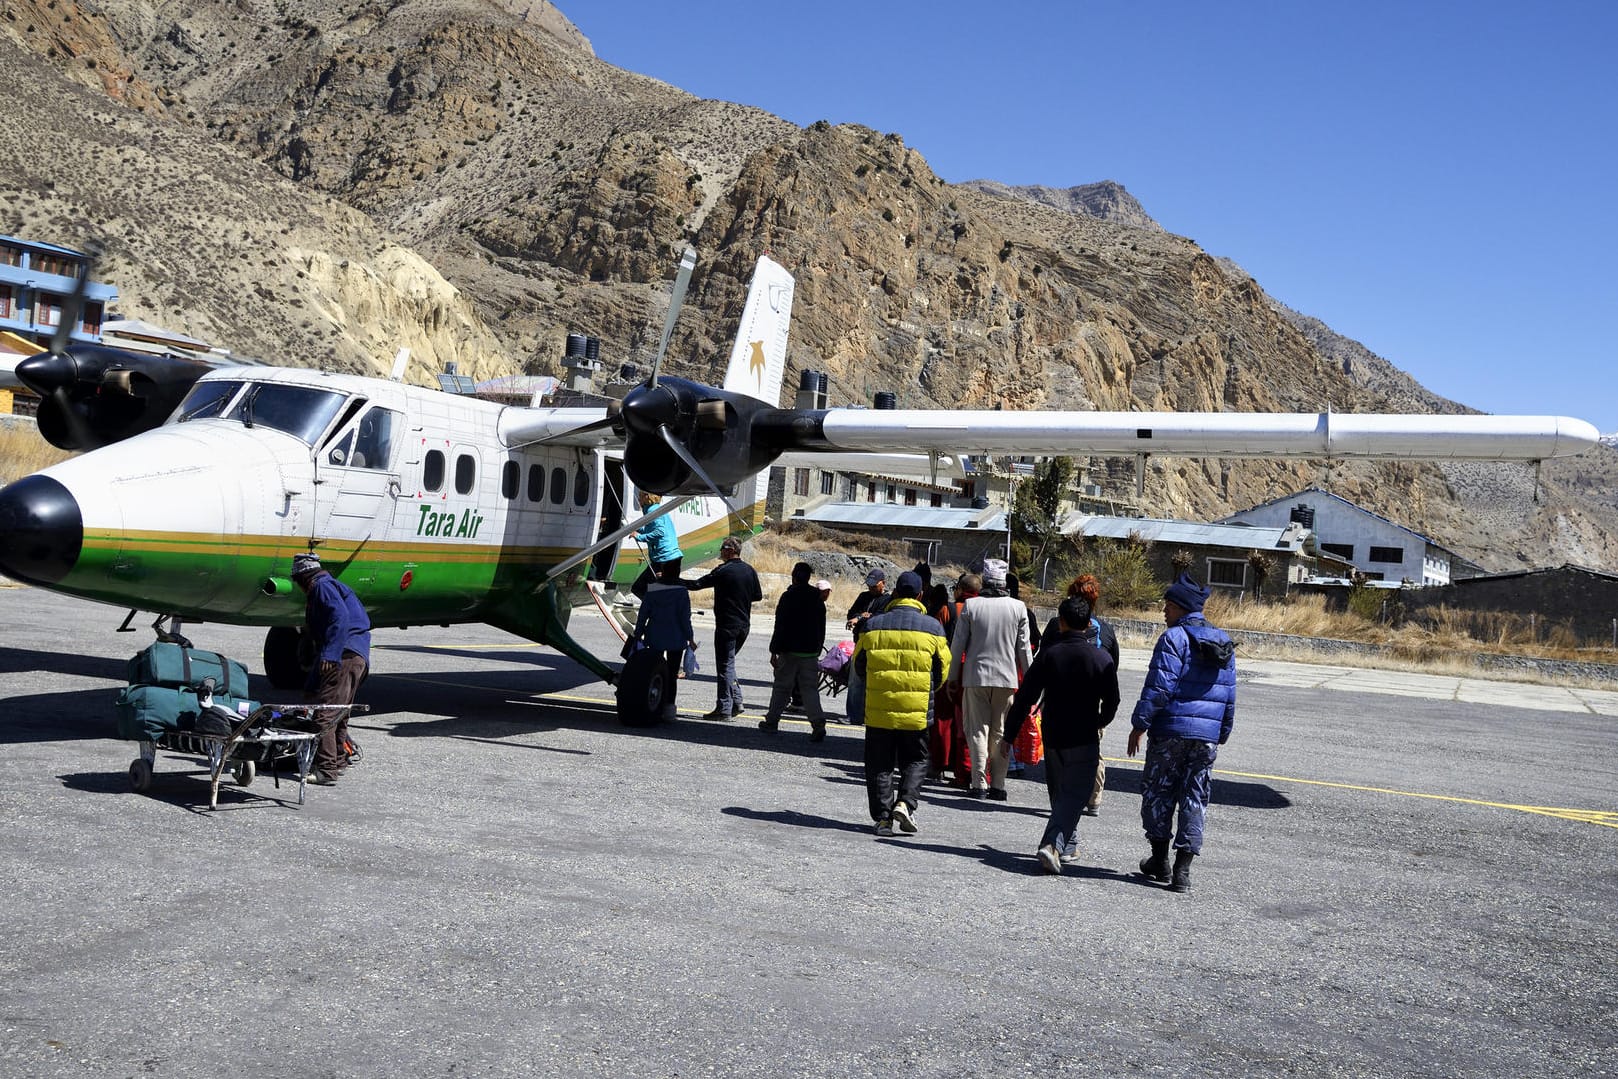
(401, 360)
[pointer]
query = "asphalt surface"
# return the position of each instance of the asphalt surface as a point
(1401, 878)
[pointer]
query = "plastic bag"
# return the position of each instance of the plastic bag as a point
(1030, 744)
(691, 666)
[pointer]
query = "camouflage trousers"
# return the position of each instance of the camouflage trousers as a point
(1178, 776)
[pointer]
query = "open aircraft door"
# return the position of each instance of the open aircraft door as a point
(357, 478)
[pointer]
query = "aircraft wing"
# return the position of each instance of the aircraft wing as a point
(1195, 434)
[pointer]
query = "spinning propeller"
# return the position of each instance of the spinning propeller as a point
(92, 395)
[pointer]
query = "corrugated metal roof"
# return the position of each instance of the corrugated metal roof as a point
(890, 515)
(1244, 537)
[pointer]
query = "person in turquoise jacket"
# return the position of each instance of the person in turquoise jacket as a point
(661, 543)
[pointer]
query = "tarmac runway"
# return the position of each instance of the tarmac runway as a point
(1403, 876)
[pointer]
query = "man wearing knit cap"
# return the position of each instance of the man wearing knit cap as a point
(901, 659)
(340, 630)
(1187, 707)
(992, 651)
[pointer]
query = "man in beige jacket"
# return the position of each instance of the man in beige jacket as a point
(991, 650)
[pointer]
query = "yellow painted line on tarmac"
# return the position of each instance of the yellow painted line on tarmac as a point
(1604, 818)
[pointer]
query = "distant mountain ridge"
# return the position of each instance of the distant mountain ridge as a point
(319, 183)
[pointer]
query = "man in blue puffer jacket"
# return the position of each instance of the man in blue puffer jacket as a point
(1188, 705)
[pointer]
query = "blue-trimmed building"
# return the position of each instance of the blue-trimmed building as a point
(36, 280)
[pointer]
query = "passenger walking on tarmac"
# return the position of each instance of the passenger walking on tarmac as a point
(1101, 634)
(735, 590)
(903, 658)
(800, 631)
(340, 632)
(662, 545)
(1078, 684)
(1188, 706)
(991, 641)
(664, 625)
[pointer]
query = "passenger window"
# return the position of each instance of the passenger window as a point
(338, 455)
(581, 486)
(558, 485)
(536, 483)
(432, 471)
(466, 474)
(510, 479)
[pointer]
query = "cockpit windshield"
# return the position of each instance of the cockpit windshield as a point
(207, 399)
(300, 411)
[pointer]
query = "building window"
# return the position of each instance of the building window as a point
(937, 500)
(1341, 550)
(466, 474)
(93, 314)
(893, 493)
(870, 492)
(6, 307)
(800, 482)
(828, 482)
(48, 309)
(923, 550)
(1387, 554)
(910, 496)
(10, 256)
(1227, 573)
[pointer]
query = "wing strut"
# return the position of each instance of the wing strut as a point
(668, 505)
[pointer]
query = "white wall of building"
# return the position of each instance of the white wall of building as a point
(1372, 544)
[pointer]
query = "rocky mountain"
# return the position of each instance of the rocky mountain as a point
(319, 183)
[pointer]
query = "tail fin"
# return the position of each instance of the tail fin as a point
(758, 362)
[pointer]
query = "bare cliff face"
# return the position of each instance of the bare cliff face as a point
(322, 183)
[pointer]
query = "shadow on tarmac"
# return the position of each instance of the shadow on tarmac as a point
(59, 717)
(1226, 792)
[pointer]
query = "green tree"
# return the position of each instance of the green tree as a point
(1036, 514)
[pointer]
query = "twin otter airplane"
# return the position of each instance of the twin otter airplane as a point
(437, 508)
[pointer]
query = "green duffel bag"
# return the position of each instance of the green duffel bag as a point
(164, 664)
(146, 713)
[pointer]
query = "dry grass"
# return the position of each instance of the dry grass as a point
(23, 452)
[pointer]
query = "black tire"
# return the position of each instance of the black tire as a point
(644, 689)
(283, 664)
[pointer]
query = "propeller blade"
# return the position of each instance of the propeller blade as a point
(688, 262)
(75, 302)
(691, 462)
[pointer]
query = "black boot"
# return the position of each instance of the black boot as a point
(1182, 871)
(1157, 866)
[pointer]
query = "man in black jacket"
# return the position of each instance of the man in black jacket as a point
(800, 631)
(735, 590)
(1079, 685)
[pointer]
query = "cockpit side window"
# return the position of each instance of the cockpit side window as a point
(207, 398)
(377, 433)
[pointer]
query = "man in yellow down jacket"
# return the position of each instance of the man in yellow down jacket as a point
(903, 656)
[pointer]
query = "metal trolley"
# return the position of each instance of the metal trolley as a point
(270, 736)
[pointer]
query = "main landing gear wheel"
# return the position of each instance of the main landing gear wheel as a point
(245, 772)
(644, 689)
(140, 775)
(283, 660)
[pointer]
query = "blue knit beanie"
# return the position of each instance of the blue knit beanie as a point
(1187, 593)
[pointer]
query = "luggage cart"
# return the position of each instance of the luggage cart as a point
(266, 737)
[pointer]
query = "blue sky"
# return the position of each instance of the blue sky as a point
(1437, 181)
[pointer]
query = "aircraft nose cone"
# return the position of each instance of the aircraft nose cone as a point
(48, 372)
(41, 530)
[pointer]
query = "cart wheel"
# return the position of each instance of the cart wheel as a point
(140, 775)
(246, 771)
